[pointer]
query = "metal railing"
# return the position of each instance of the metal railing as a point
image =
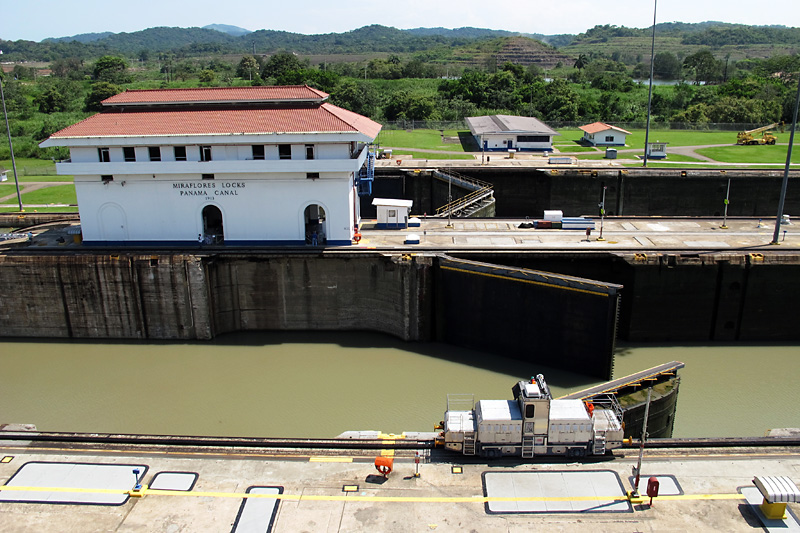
(482, 191)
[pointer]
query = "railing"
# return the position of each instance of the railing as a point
(483, 190)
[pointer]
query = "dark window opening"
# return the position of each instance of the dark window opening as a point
(104, 155)
(208, 176)
(205, 153)
(258, 151)
(180, 153)
(529, 410)
(285, 151)
(312, 175)
(106, 179)
(154, 152)
(609, 138)
(533, 138)
(129, 154)
(309, 151)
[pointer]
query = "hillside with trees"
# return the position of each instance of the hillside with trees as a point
(402, 75)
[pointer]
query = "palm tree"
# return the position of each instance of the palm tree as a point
(581, 62)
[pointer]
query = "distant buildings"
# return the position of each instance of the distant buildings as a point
(238, 165)
(602, 134)
(506, 132)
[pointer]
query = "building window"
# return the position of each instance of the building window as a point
(180, 153)
(154, 152)
(106, 179)
(208, 176)
(129, 154)
(312, 175)
(285, 151)
(205, 153)
(533, 139)
(309, 151)
(103, 155)
(258, 151)
(609, 138)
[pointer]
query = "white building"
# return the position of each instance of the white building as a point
(657, 150)
(506, 132)
(238, 165)
(602, 134)
(392, 213)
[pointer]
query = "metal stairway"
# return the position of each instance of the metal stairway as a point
(527, 446)
(469, 443)
(599, 444)
(481, 195)
(366, 175)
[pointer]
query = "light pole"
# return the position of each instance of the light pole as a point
(786, 170)
(602, 213)
(650, 93)
(10, 145)
(727, 201)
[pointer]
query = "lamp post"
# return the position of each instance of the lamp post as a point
(727, 201)
(786, 170)
(650, 93)
(602, 213)
(10, 145)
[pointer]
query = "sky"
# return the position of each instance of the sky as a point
(61, 18)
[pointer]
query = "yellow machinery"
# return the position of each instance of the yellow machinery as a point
(749, 137)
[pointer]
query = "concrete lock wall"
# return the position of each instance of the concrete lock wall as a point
(522, 192)
(189, 297)
(560, 321)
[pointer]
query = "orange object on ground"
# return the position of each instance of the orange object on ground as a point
(384, 465)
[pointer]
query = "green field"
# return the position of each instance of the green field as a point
(57, 194)
(750, 154)
(422, 139)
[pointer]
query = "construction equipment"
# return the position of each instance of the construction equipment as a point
(749, 137)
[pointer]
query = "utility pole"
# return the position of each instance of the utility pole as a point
(650, 93)
(785, 172)
(727, 201)
(602, 213)
(10, 145)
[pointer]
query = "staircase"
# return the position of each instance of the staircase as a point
(480, 197)
(366, 175)
(469, 443)
(527, 446)
(599, 444)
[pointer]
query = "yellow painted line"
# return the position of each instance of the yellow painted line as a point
(383, 499)
(530, 281)
(330, 459)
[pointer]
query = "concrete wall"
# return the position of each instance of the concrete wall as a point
(522, 192)
(189, 297)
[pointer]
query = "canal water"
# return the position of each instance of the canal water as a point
(278, 384)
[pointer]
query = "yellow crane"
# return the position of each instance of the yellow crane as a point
(749, 136)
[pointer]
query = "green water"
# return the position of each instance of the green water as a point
(321, 384)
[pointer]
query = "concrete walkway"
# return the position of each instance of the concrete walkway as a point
(330, 492)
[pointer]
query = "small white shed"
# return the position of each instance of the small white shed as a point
(392, 213)
(657, 150)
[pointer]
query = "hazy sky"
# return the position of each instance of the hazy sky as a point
(50, 18)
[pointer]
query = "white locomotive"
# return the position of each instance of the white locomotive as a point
(533, 424)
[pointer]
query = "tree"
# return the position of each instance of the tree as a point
(666, 66)
(111, 69)
(357, 96)
(281, 62)
(247, 68)
(71, 67)
(581, 61)
(207, 76)
(705, 66)
(99, 92)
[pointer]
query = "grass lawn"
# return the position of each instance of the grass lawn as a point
(425, 139)
(750, 154)
(58, 194)
(15, 209)
(429, 155)
(29, 167)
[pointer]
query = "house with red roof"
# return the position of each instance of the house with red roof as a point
(230, 165)
(602, 134)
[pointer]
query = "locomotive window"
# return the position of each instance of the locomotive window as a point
(529, 410)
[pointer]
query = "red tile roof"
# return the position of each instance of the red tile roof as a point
(325, 118)
(596, 127)
(291, 93)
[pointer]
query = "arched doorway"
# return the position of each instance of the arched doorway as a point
(315, 226)
(213, 232)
